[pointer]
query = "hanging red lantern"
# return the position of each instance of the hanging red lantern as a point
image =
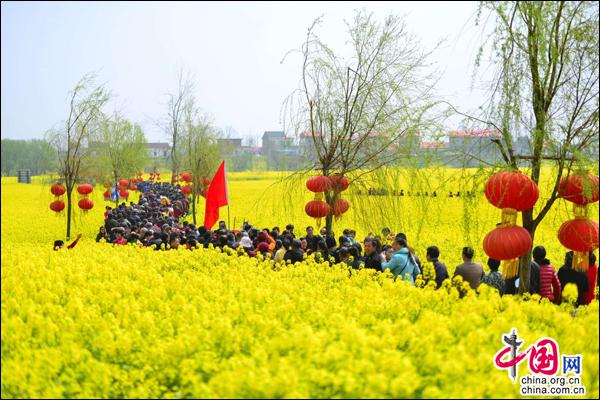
(317, 208)
(507, 242)
(86, 204)
(187, 190)
(512, 190)
(340, 207)
(57, 206)
(579, 234)
(123, 182)
(579, 189)
(57, 189)
(133, 187)
(124, 193)
(318, 183)
(339, 183)
(205, 181)
(186, 177)
(85, 189)
(106, 194)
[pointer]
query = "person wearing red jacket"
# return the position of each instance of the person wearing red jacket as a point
(549, 284)
(59, 244)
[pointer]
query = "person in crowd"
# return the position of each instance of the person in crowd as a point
(566, 274)
(353, 258)
(550, 286)
(534, 279)
(373, 259)
(592, 276)
(59, 244)
(401, 262)
(470, 271)
(294, 254)
(441, 272)
(119, 238)
(290, 229)
(494, 278)
(387, 237)
(411, 250)
(102, 234)
(284, 246)
(263, 248)
(322, 253)
(311, 239)
(191, 244)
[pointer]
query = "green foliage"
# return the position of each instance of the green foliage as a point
(36, 155)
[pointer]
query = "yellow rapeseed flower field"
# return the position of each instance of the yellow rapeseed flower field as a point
(113, 322)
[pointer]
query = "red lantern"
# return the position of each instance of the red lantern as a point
(57, 206)
(205, 181)
(57, 189)
(133, 187)
(187, 190)
(339, 183)
(340, 207)
(106, 194)
(86, 204)
(579, 189)
(203, 193)
(318, 184)
(123, 183)
(186, 177)
(85, 189)
(123, 193)
(579, 234)
(512, 190)
(317, 208)
(507, 242)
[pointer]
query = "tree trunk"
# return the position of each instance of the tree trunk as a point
(69, 192)
(525, 260)
(116, 191)
(194, 197)
(329, 217)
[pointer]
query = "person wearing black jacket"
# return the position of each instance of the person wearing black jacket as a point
(372, 257)
(295, 254)
(441, 272)
(566, 274)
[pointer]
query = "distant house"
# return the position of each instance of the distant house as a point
(280, 151)
(158, 151)
(473, 148)
(229, 147)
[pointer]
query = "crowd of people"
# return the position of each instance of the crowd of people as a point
(155, 221)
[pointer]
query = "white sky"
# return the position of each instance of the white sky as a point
(233, 50)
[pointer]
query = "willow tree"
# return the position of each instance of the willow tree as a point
(355, 110)
(175, 118)
(198, 149)
(121, 149)
(72, 141)
(545, 86)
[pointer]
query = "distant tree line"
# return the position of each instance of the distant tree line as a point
(36, 155)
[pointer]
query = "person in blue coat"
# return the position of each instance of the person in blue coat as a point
(402, 262)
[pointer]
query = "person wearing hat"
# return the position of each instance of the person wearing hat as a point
(246, 244)
(263, 248)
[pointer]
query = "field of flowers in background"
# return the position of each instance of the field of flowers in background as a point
(101, 321)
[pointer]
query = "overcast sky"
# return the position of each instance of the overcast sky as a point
(234, 51)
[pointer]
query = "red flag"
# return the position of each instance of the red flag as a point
(216, 197)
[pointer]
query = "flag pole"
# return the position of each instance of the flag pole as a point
(228, 220)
